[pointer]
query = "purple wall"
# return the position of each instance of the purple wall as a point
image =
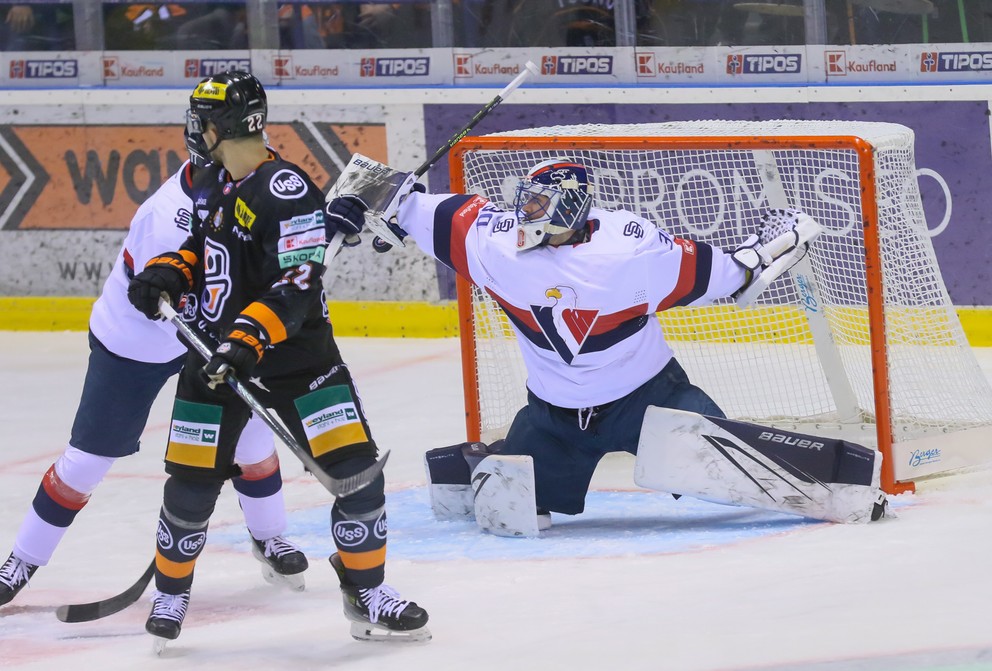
(952, 139)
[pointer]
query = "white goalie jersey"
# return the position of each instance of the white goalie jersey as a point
(161, 224)
(584, 314)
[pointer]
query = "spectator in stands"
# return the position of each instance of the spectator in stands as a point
(36, 27)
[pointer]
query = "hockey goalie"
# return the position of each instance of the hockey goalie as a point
(580, 286)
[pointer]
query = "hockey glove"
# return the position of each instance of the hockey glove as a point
(380, 245)
(237, 355)
(346, 214)
(167, 274)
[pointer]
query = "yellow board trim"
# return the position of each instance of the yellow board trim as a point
(362, 319)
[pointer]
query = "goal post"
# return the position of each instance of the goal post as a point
(859, 341)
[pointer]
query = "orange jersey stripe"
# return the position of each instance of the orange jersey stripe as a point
(268, 320)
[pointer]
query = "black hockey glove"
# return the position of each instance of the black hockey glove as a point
(346, 214)
(167, 274)
(237, 355)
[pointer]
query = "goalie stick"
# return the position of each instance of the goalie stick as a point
(87, 612)
(379, 222)
(336, 486)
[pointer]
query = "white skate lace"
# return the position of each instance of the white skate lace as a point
(277, 547)
(382, 600)
(170, 606)
(14, 572)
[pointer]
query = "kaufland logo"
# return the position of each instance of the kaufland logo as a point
(208, 67)
(282, 67)
(576, 65)
(111, 69)
(958, 61)
(463, 65)
(763, 64)
(395, 67)
(44, 69)
(836, 62)
(646, 65)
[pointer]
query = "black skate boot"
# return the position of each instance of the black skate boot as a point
(166, 619)
(378, 613)
(14, 575)
(282, 562)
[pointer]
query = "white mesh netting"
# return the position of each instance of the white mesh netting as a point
(760, 363)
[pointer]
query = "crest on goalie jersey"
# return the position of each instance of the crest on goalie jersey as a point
(564, 323)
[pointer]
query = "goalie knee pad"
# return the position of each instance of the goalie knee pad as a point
(449, 477)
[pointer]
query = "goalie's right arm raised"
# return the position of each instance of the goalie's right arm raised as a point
(782, 241)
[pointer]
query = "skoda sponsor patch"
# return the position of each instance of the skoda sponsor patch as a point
(301, 256)
(330, 419)
(287, 184)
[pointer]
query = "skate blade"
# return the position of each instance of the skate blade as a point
(295, 582)
(365, 631)
(158, 645)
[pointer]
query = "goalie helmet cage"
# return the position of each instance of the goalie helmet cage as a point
(860, 341)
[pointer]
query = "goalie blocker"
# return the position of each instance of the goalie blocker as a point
(683, 453)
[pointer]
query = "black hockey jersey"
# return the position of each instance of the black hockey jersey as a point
(258, 248)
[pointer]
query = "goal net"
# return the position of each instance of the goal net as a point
(859, 341)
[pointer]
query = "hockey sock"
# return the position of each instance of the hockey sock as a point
(361, 543)
(358, 525)
(182, 532)
(259, 489)
(64, 490)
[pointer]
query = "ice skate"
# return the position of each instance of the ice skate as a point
(166, 619)
(378, 613)
(881, 507)
(14, 575)
(282, 562)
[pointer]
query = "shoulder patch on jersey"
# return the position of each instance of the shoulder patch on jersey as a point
(287, 184)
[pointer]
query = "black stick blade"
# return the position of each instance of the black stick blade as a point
(87, 612)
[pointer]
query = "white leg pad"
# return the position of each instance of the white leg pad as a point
(505, 503)
(686, 453)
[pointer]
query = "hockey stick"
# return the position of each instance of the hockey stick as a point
(336, 486)
(87, 612)
(386, 238)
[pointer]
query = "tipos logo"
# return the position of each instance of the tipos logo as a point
(349, 534)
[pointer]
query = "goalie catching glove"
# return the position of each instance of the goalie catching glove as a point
(238, 354)
(170, 274)
(782, 241)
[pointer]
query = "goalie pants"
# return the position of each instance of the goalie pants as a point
(565, 455)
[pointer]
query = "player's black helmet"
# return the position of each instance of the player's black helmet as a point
(234, 102)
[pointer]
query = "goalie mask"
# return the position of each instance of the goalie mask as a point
(553, 198)
(234, 102)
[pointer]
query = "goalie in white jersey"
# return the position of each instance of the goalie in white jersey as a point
(581, 286)
(131, 358)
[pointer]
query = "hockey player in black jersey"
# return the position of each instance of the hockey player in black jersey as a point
(250, 277)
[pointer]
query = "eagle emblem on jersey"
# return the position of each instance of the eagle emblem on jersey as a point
(564, 323)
